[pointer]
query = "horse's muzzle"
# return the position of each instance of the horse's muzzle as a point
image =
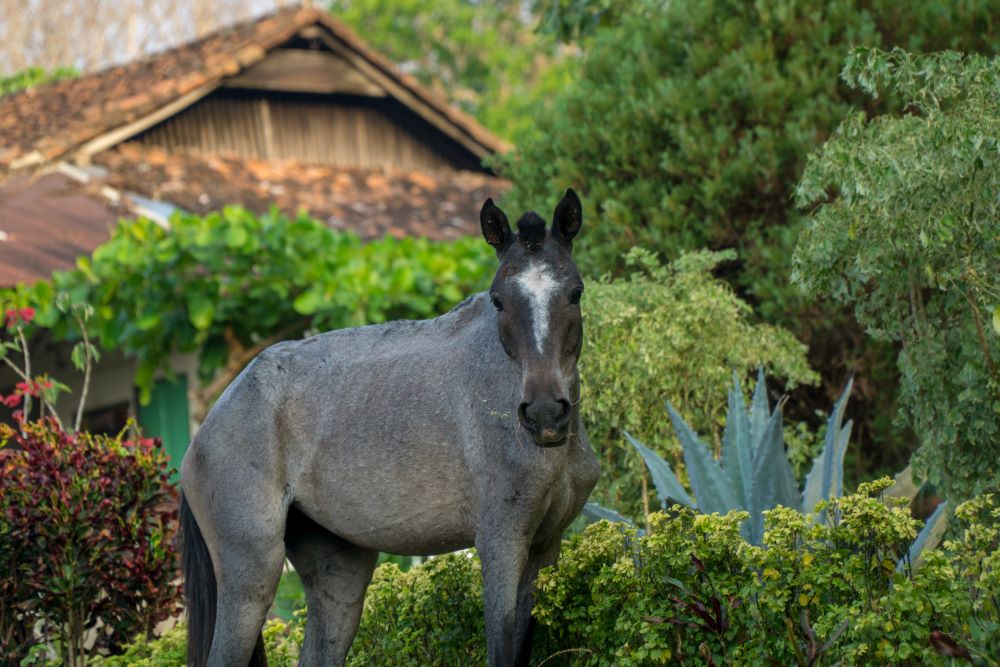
(546, 421)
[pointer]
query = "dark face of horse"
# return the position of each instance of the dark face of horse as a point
(537, 292)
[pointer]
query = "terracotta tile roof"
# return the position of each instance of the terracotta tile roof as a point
(371, 202)
(46, 222)
(44, 124)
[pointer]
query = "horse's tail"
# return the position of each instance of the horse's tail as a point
(200, 594)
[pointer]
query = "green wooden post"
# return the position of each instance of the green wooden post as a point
(166, 417)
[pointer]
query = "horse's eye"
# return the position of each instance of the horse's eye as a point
(496, 302)
(574, 296)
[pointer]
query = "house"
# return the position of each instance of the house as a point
(292, 110)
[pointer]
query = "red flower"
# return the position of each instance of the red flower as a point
(11, 401)
(28, 389)
(10, 318)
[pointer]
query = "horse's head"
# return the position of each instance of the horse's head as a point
(536, 292)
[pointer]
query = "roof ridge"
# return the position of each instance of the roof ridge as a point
(31, 135)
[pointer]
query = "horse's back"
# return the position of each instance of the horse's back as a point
(358, 425)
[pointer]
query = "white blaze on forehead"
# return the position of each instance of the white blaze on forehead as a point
(537, 283)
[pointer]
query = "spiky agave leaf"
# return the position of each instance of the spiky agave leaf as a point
(760, 409)
(826, 478)
(928, 537)
(710, 485)
(595, 512)
(772, 482)
(737, 447)
(668, 487)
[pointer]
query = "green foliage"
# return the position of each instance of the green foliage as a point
(687, 126)
(86, 537)
(667, 333)
(430, 615)
(754, 475)
(281, 641)
(905, 230)
(34, 76)
(485, 57)
(693, 592)
(230, 283)
(690, 122)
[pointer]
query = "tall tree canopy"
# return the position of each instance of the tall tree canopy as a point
(485, 56)
(911, 240)
(688, 126)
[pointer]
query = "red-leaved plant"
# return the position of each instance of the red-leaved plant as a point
(87, 559)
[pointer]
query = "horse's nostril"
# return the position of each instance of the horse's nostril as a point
(522, 412)
(565, 407)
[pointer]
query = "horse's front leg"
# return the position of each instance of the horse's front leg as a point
(524, 623)
(504, 556)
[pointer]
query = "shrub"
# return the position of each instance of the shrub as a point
(86, 529)
(228, 284)
(668, 333)
(693, 592)
(431, 615)
(905, 231)
(281, 641)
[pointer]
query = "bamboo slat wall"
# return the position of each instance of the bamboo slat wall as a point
(336, 130)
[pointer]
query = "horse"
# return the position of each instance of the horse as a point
(408, 437)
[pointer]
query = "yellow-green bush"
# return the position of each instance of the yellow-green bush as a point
(669, 333)
(693, 592)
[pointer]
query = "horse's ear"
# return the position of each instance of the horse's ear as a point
(496, 229)
(568, 217)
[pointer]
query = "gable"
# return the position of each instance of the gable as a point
(78, 118)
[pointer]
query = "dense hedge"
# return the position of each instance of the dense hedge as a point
(692, 592)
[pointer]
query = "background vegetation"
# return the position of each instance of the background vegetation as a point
(671, 333)
(911, 241)
(688, 125)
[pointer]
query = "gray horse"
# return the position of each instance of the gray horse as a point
(412, 438)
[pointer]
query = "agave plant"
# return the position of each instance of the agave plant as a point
(754, 473)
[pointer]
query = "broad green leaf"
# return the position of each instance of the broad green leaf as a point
(201, 311)
(78, 356)
(667, 485)
(996, 319)
(308, 302)
(236, 235)
(711, 487)
(148, 321)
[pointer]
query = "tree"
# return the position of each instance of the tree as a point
(486, 57)
(229, 284)
(905, 228)
(688, 125)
